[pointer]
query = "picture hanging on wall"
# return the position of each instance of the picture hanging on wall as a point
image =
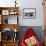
(29, 13)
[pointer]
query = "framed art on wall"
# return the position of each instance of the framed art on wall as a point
(29, 13)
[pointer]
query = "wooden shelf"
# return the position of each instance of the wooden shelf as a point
(9, 9)
(11, 26)
(4, 13)
(9, 43)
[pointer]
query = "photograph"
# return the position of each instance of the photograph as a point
(29, 13)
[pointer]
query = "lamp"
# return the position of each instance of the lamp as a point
(15, 3)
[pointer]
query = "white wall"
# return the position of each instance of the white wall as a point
(27, 4)
(39, 13)
(7, 3)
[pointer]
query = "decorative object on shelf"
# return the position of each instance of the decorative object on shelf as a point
(15, 34)
(5, 12)
(15, 37)
(7, 34)
(13, 12)
(29, 13)
(6, 21)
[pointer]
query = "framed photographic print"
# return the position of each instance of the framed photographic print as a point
(29, 13)
(5, 12)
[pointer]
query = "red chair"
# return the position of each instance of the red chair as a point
(29, 33)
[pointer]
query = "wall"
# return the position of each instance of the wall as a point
(39, 13)
(27, 4)
(7, 3)
(38, 21)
